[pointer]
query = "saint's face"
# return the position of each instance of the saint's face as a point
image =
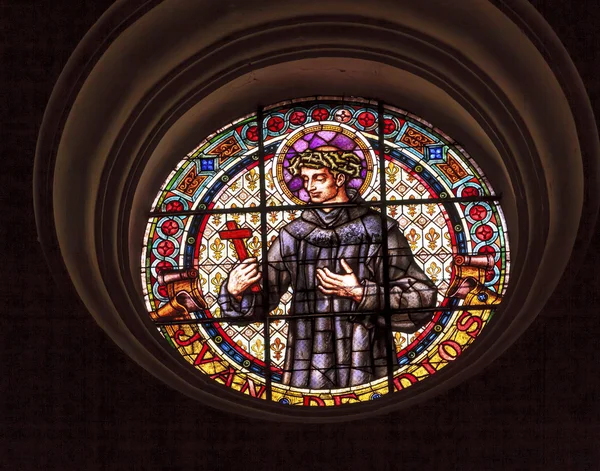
(320, 184)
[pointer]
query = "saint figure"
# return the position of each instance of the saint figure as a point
(332, 258)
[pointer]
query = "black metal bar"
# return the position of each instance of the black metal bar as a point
(389, 339)
(296, 207)
(254, 320)
(454, 146)
(392, 311)
(264, 240)
(309, 261)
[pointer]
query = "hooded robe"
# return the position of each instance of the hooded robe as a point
(337, 351)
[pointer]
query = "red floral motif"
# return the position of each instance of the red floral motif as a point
(478, 212)
(366, 119)
(174, 206)
(170, 227)
(487, 249)
(469, 192)
(165, 248)
(297, 118)
(252, 133)
(163, 265)
(343, 116)
(484, 232)
(389, 126)
(275, 124)
(320, 114)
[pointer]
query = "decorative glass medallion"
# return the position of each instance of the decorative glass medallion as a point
(318, 253)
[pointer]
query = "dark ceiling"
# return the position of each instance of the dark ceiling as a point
(72, 400)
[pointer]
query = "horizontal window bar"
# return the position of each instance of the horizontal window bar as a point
(268, 209)
(255, 320)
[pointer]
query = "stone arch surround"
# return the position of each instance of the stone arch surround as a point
(150, 80)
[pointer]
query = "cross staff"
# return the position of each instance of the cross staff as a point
(237, 235)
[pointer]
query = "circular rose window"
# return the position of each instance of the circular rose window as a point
(324, 252)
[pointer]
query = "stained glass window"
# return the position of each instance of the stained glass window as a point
(324, 251)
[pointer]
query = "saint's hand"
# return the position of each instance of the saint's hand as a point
(242, 277)
(346, 286)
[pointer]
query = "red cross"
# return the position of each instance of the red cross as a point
(237, 235)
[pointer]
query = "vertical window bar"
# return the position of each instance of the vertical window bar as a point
(389, 341)
(264, 252)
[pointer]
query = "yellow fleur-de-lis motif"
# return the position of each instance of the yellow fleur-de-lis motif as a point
(242, 345)
(271, 240)
(392, 172)
(400, 340)
(412, 208)
(217, 312)
(432, 236)
(254, 217)
(410, 178)
(217, 247)
(277, 346)
(269, 177)
(273, 215)
(252, 179)
(217, 281)
(393, 208)
(201, 251)
(412, 237)
(235, 216)
(216, 219)
(234, 186)
(430, 208)
(448, 239)
(291, 215)
(201, 280)
(254, 245)
(233, 251)
(433, 271)
(258, 348)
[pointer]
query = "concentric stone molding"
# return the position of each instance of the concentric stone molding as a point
(151, 79)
